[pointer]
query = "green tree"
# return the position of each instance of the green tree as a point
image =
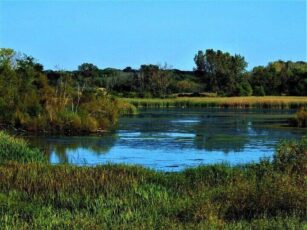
(220, 72)
(88, 70)
(280, 78)
(200, 61)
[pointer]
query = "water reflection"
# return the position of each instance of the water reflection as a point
(58, 147)
(177, 138)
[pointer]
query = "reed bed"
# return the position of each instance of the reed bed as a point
(274, 102)
(265, 195)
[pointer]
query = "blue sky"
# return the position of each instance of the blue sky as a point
(64, 34)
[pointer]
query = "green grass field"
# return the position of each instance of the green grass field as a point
(282, 102)
(266, 195)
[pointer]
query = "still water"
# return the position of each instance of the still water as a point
(174, 139)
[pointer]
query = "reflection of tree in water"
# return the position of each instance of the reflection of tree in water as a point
(231, 131)
(223, 132)
(215, 130)
(62, 145)
(223, 143)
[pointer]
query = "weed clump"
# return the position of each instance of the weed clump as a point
(15, 149)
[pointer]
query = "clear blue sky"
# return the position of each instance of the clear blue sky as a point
(131, 33)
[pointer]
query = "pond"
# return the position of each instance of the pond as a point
(174, 139)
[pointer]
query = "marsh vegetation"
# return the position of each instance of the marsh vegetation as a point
(269, 194)
(263, 193)
(268, 102)
(83, 101)
(172, 139)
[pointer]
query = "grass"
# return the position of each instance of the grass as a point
(265, 195)
(14, 149)
(280, 102)
(126, 108)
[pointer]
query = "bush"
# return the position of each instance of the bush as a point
(67, 121)
(186, 86)
(89, 124)
(301, 117)
(291, 157)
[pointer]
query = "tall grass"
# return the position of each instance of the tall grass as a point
(14, 149)
(265, 195)
(278, 102)
(125, 108)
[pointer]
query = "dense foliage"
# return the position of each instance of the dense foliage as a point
(280, 78)
(34, 99)
(216, 73)
(265, 195)
(223, 73)
(30, 101)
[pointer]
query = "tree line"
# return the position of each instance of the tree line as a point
(35, 99)
(216, 73)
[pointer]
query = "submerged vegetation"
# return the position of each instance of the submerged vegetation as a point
(277, 102)
(269, 194)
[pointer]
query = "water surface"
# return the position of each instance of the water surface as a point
(173, 139)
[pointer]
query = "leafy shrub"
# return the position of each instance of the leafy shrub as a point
(67, 121)
(89, 124)
(186, 86)
(36, 124)
(20, 119)
(291, 157)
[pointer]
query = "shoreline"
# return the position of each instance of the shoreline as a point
(270, 102)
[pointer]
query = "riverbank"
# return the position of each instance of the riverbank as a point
(265, 195)
(274, 102)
